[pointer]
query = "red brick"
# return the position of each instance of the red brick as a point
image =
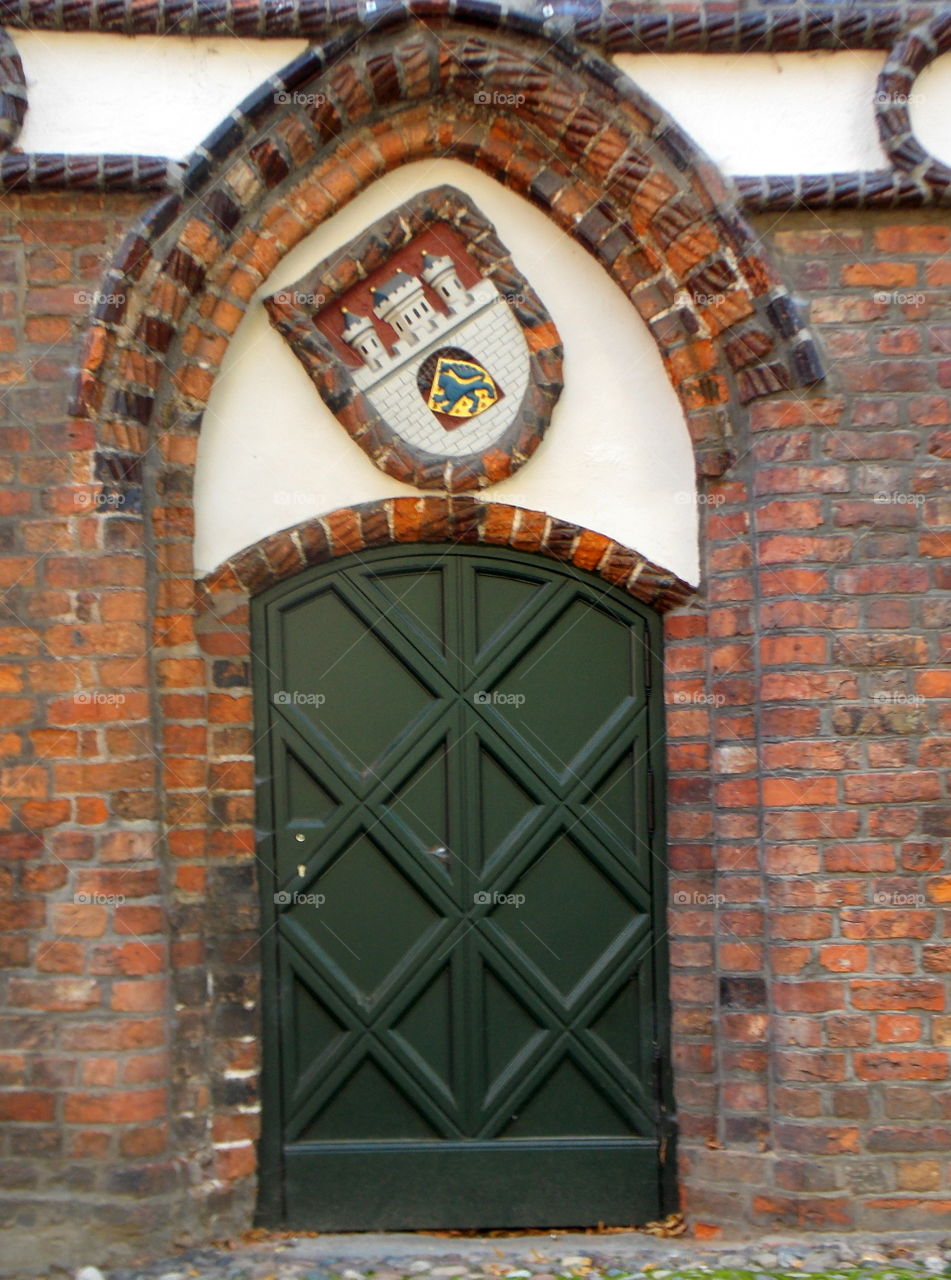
(874, 788)
(115, 1107)
(29, 1105)
(901, 922)
(844, 958)
(902, 1065)
(895, 996)
(897, 1028)
(809, 997)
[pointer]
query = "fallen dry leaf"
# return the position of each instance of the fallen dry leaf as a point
(672, 1225)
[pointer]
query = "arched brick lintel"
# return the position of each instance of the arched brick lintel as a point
(395, 521)
(598, 156)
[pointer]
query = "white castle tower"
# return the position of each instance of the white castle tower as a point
(360, 333)
(401, 302)
(440, 274)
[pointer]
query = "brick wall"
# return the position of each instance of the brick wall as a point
(808, 720)
(84, 909)
(808, 796)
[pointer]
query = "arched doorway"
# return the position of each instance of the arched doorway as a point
(459, 763)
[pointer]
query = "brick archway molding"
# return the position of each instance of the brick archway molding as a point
(555, 123)
(615, 173)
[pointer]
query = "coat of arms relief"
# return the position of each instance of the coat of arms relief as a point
(428, 345)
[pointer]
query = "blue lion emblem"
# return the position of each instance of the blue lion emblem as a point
(461, 389)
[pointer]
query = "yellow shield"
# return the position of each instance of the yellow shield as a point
(461, 388)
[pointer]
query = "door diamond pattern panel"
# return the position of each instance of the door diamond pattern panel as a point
(554, 903)
(358, 696)
(456, 788)
(569, 687)
(365, 921)
(425, 1029)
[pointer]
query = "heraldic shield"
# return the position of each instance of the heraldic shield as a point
(428, 345)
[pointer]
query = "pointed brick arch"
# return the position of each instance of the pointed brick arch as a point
(555, 123)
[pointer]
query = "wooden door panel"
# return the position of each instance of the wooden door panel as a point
(457, 772)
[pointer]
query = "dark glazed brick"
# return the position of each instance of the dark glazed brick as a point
(743, 993)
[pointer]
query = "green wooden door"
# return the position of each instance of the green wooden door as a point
(459, 754)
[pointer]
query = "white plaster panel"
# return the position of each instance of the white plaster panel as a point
(143, 95)
(770, 113)
(930, 108)
(617, 456)
(753, 112)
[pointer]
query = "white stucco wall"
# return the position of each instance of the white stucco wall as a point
(763, 113)
(617, 456)
(145, 95)
(754, 113)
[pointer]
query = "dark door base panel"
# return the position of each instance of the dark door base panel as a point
(389, 1186)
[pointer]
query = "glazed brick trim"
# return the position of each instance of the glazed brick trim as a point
(39, 172)
(707, 26)
(382, 443)
(917, 178)
(12, 92)
(50, 172)
(597, 156)
(896, 84)
(861, 189)
(612, 28)
(392, 521)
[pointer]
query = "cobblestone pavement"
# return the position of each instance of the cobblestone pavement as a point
(627, 1256)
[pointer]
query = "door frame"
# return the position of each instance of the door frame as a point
(270, 1211)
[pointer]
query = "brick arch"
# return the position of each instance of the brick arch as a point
(556, 123)
(400, 521)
